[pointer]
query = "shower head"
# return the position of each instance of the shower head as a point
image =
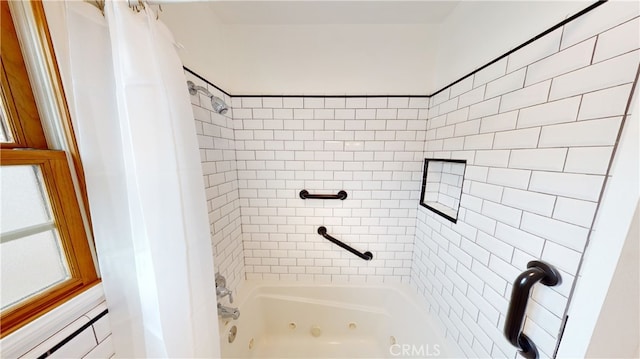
(217, 103)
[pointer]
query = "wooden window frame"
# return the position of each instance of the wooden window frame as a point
(17, 95)
(29, 147)
(68, 220)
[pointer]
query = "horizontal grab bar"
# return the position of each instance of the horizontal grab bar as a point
(537, 271)
(304, 194)
(367, 256)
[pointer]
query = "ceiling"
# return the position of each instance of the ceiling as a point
(351, 47)
(331, 12)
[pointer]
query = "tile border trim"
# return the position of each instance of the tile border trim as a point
(73, 335)
(542, 34)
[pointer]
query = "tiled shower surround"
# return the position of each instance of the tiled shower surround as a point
(537, 130)
(370, 147)
(218, 156)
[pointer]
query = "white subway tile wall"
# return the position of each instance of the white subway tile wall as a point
(536, 166)
(370, 147)
(93, 342)
(217, 139)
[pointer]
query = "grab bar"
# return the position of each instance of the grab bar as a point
(367, 256)
(304, 194)
(538, 272)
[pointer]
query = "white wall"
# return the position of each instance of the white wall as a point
(304, 58)
(477, 32)
(331, 59)
(257, 55)
(614, 324)
(203, 41)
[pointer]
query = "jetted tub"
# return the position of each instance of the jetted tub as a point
(330, 321)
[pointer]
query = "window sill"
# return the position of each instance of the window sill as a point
(31, 335)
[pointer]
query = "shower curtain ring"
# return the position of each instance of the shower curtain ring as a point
(136, 5)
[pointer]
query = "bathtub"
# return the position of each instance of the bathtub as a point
(331, 321)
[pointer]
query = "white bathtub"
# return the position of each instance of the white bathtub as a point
(331, 321)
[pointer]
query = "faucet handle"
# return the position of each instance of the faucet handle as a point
(223, 292)
(221, 287)
(221, 281)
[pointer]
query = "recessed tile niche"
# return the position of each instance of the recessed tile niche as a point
(442, 186)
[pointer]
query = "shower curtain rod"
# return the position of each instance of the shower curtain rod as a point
(133, 4)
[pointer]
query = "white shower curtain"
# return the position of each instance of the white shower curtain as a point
(136, 136)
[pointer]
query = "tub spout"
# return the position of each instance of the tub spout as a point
(228, 312)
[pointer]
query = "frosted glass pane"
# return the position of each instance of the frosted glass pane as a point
(5, 133)
(24, 199)
(30, 265)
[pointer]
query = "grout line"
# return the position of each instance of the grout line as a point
(506, 69)
(561, 38)
(593, 53)
(618, 55)
(580, 106)
(550, 87)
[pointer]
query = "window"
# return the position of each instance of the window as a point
(442, 187)
(45, 256)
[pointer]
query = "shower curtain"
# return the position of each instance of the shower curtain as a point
(136, 135)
